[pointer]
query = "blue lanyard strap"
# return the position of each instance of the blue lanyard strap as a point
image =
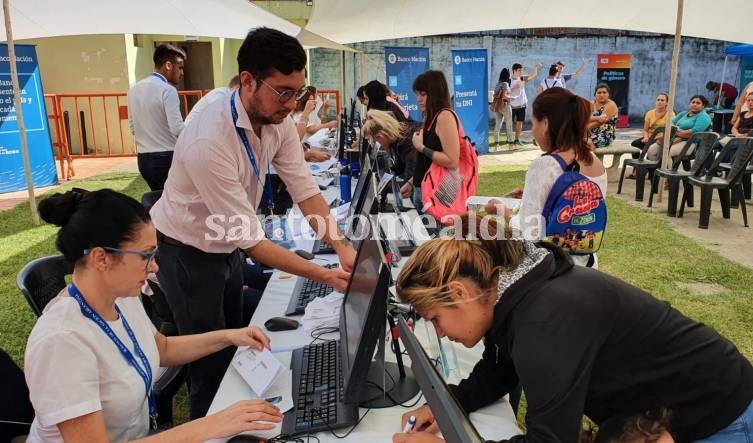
(251, 157)
(146, 372)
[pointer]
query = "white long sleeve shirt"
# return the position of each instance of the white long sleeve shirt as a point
(154, 114)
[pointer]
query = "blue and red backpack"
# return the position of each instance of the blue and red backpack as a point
(575, 212)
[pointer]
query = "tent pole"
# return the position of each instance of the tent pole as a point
(19, 113)
(342, 79)
(672, 89)
(724, 71)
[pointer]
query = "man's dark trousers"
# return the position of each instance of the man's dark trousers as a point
(154, 167)
(204, 293)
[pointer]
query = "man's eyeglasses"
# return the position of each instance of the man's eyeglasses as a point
(147, 256)
(287, 94)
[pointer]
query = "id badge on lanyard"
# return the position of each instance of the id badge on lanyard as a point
(251, 157)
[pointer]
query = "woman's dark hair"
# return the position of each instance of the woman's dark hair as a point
(602, 85)
(516, 66)
(265, 49)
(703, 99)
(301, 103)
(376, 92)
(553, 70)
(360, 91)
(666, 95)
(434, 85)
(628, 428)
(102, 218)
(567, 115)
(504, 76)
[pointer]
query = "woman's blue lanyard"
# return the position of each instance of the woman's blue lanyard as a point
(146, 372)
(159, 76)
(251, 158)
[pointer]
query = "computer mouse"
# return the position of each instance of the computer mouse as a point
(243, 438)
(304, 254)
(275, 324)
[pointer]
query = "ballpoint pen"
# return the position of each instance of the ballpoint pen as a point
(410, 424)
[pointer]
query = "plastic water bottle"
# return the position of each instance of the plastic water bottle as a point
(344, 185)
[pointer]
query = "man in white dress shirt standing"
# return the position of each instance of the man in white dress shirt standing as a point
(208, 211)
(154, 115)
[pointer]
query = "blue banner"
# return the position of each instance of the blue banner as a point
(43, 172)
(471, 82)
(746, 74)
(403, 66)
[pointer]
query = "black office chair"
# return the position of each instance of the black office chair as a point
(16, 411)
(42, 279)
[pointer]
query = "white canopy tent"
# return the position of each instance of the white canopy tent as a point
(209, 18)
(348, 21)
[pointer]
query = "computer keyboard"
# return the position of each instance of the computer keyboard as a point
(322, 247)
(306, 290)
(320, 385)
(318, 391)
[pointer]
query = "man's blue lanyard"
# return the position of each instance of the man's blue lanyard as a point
(251, 158)
(159, 76)
(146, 372)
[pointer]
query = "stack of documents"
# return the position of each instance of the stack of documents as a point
(323, 312)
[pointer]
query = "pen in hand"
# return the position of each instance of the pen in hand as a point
(410, 424)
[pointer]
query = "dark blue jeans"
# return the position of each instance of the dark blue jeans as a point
(739, 431)
(154, 166)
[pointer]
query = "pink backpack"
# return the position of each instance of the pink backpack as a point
(444, 192)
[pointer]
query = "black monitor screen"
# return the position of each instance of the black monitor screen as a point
(452, 420)
(356, 200)
(363, 314)
(357, 230)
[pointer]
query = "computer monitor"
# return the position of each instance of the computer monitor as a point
(363, 314)
(342, 131)
(356, 224)
(452, 420)
(356, 201)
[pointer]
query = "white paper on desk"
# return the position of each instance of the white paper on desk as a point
(280, 392)
(317, 139)
(258, 369)
(340, 213)
(319, 167)
(323, 312)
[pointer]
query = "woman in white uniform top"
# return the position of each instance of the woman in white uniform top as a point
(93, 355)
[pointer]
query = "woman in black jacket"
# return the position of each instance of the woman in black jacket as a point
(579, 341)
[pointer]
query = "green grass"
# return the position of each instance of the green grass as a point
(638, 247)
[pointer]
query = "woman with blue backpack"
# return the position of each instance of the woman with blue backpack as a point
(568, 168)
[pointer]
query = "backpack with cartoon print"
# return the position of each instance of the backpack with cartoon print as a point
(575, 212)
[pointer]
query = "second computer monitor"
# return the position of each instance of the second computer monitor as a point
(363, 314)
(452, 420)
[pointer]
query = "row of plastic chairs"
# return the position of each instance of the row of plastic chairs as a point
(705, 172)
